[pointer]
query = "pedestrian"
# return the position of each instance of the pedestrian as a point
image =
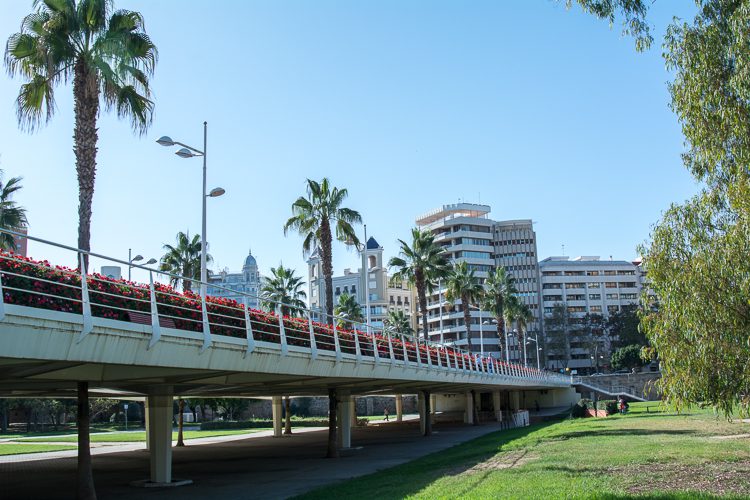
(622, 405)
(385, 412)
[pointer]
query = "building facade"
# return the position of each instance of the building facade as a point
(585, 286)
(468, 234)
(235, 285)
(383, 295)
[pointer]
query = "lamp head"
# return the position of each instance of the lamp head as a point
(216, 192)
(137, 258)
(184, 153)
(150, 261)
(165, 141)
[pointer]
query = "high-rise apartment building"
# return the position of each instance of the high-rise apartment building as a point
(586, 285)
(467, 234)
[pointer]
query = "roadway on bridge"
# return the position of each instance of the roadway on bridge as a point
(256, 467)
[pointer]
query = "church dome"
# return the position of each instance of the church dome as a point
(250, 261)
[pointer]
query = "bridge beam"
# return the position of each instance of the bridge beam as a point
(160, 434)
(276, 414)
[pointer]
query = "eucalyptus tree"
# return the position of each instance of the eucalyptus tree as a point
(499, 287)
(107, 56)
(12, 216)
(421, 264)
(183, 260)
(312, 218)
(461, 284)
(285, 288)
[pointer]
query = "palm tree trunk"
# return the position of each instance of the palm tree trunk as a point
(467, 319)
(86, 94)
(422, 295)
(181, 410)
(288, 415)
(501, 334)
(86, 489)
(325, 255)
(333, 448)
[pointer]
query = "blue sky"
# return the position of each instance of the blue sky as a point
(541, 112)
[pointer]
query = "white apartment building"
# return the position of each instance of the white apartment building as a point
(587, 285)
(468, 235)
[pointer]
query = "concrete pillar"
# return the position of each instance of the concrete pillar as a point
(469, 415)
(160, 434)
(399, 408)
(353, 410)
(344, 419)
(433, 406)
(421, 409)
(145, 412)
(496, 406)
(276, 414)
(515, 400)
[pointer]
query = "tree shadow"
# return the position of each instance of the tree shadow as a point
(621, 432)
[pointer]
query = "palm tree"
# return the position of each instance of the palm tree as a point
(12, 216)
(285, 288)
(421, 264)
(349, 310)
(106, 54)
(313, 217)
(499, 287)
(398, 322)
(524, 316)
(463, 285)
(183, 260)
(511, 312)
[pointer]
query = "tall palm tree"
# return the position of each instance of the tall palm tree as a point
(183, 260)
(511, 312)
(464, 286)
(420, 264)
(285, 288)
(524, 316)
(349, 310)
(398, 322)
(106, 53)
(312, 218)
(12, 216)
(498, 288)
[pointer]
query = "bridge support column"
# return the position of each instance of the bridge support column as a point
(496, 406)
(433, 407)
(425, 419)
(160, 435)
(399, 408)
(146, 423)
(344, 415)
(515, 400)
(276, 414)
(469, 414)
(353, 410)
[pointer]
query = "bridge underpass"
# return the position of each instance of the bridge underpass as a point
(56, 332)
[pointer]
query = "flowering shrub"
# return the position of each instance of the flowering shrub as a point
(39, 284)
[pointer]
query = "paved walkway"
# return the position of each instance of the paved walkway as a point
(256, 466)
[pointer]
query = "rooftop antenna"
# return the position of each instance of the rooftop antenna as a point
(563, 249)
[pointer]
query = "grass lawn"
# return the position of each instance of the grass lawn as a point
(651, 455)
(21, 448)
(391, 417)
(128, 437)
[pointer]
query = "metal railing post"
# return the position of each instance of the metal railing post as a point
(390, 348)
(336, 343)
(313, 343)
(88, 324)
(248, 328)
(419, 356)
(375, 352)
(155, 326)
(2, 299)
(403, 346)
(282, 331)
(357, 349)
(429, 358)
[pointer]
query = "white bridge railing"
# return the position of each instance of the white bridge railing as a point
(39, 284)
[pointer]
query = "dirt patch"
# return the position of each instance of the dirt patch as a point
(732, 436)
(719, 478)
(500, 462)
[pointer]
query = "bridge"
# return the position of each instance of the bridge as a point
(60, 326)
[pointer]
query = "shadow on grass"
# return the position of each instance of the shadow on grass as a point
(410, 478)
(599, 433)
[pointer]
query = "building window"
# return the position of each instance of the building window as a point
(576, 297)
(610, 273)
(553, 298)
(549, 286)
(595, 309)
(628, 284)
(612, 296)
(610, 284)
(592, 273)
(594, 285)
(595, 296)
(574, 285)
(613, 309)
(354, 289)
(338, 291)
(626, 273)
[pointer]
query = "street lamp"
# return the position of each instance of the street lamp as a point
(131, 260)
(189, 152)
(536, 341)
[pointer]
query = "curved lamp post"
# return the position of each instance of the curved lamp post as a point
(190, 152)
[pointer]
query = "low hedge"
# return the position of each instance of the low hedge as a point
(610, 405)
(256, 424)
